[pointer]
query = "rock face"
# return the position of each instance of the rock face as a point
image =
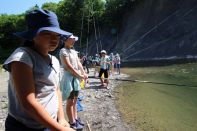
(155, 29)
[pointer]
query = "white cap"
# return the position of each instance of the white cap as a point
(103, 51)
(74, 37)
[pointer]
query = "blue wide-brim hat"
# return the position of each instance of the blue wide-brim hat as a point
(41, 20)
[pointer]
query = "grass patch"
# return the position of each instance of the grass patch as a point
(151, 107)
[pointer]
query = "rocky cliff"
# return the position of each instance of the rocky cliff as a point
(154, 29)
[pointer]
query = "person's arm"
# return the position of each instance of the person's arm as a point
(60, 115)
(82, 70)
(81, 59)
(70, 68)
(25, 91)
(108, 61)
(80, 67)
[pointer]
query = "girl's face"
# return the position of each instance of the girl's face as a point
(103, 54)
(69, 42)
(47, 40)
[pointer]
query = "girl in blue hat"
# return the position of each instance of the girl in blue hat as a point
(35, 102)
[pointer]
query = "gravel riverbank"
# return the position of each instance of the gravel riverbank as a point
(99, 109)
(99, 106)
(3, 110)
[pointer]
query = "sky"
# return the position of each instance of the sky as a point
(20, 6)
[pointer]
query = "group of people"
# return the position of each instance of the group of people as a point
(103, 64)
(35, 89)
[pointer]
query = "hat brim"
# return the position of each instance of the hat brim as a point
(74, 37)
(30, 34)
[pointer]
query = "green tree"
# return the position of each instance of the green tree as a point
(50, 6)
(71, 13)
(32, 8)
(8, 25)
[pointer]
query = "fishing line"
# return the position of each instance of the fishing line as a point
(151, 82)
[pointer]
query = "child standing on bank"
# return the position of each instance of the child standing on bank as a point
(104, 66)
(117, 63)
(70, 83)
(35, 101)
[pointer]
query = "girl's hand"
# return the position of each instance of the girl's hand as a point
(64, 129)
(67, 129)
(64, 123)
(85, 76)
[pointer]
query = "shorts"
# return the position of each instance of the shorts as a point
(118, 66)
(103, 71)
(11, 124)
(73, 94)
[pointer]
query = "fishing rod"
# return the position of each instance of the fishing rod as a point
(151, 82)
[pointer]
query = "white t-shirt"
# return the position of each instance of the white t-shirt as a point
(69, 82)
(117, 60)
(104, 62)
(72, 55)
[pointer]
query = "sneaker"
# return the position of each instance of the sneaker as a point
(73, 126)
(104, 85)
(80, 122)
(79, 126)
(76, 126)
(107, 87)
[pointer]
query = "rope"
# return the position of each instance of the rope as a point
(149, 31)
(155, 27)
(151, 82)
(162, 83)
(154, 44)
